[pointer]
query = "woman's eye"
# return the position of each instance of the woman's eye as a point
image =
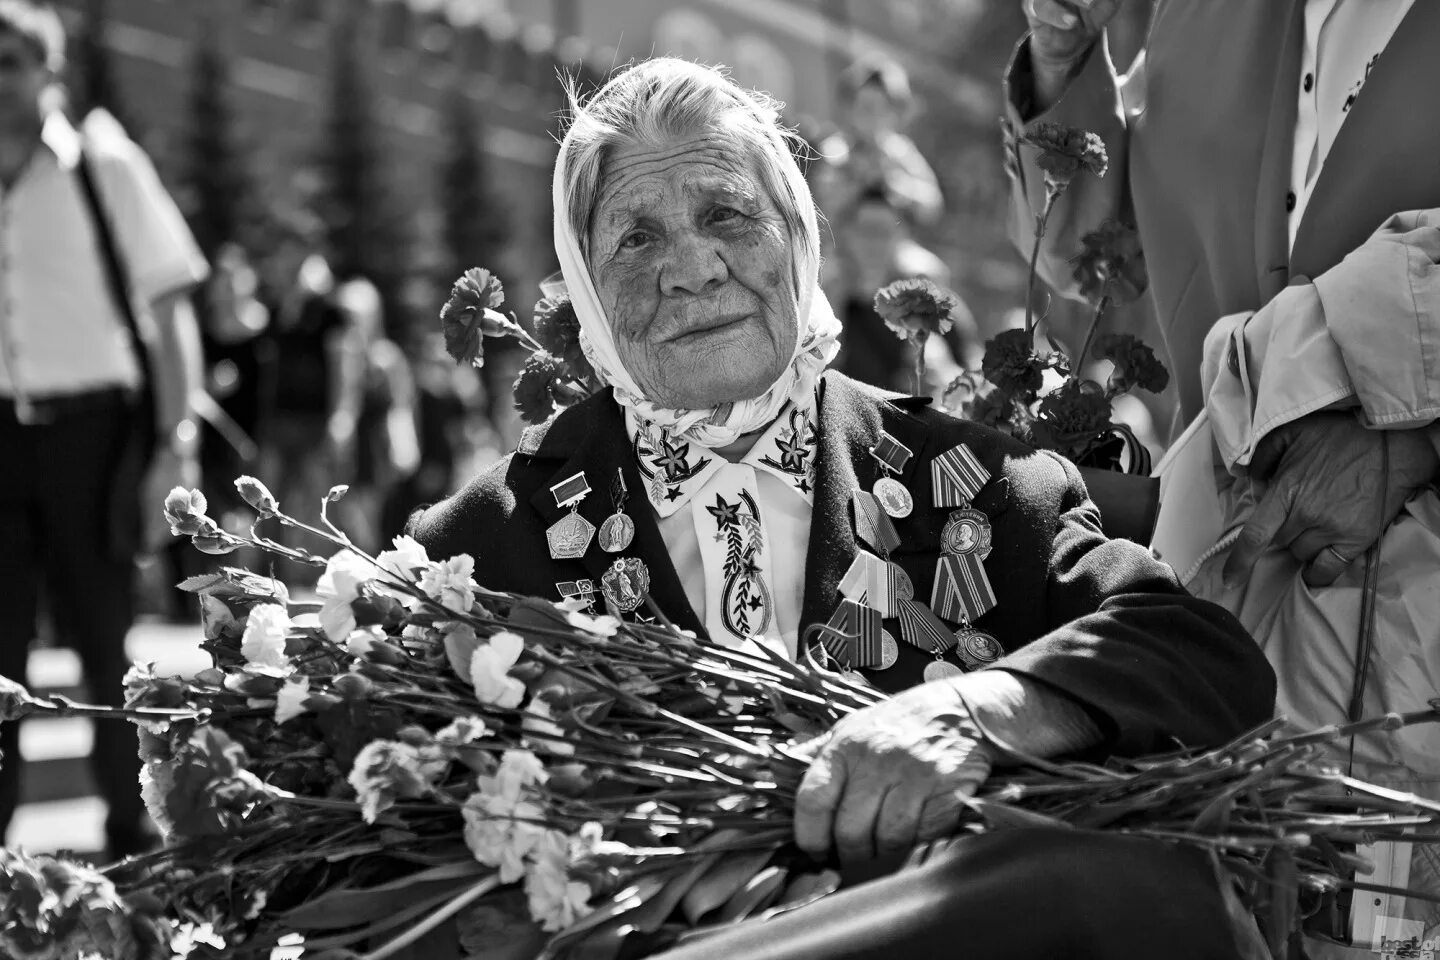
(721, 214)
(634, 239)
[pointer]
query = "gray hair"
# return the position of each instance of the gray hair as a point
(658, 100)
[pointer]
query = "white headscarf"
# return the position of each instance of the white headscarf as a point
(816, 343)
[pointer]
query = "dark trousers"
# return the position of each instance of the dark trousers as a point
(61, 485)
(1014, 893)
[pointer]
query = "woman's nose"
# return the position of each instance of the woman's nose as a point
(693, 266)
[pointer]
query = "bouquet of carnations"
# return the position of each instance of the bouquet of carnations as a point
(411, 753)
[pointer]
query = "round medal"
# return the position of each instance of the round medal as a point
(889, 651)
(976, 647)
(940, 669)
(904, 588)
(616, 533)
(626, 584)
(967, 531)
(893, 497)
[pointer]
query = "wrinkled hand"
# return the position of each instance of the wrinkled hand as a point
(891, 775)
(1326, 493)
(1062, 30)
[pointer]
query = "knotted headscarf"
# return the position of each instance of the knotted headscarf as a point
(816, 341)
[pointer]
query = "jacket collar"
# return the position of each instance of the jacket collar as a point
(591, 437)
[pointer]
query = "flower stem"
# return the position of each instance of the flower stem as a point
(921, 336)
(1079, 362)
(1052, 193)
(447, 911)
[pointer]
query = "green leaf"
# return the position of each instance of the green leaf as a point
(345, 907)
(1000, 816)
(630, 898)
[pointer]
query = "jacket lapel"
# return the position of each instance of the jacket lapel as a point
(1382, 161)
(595, 443)
(1272, 223)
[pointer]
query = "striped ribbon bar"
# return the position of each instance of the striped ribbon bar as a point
(872, 524)
(862, 647)
(962, 590)
(956, 476)
(920, 628)
(891, 452)
(571, 490)
(870, 581)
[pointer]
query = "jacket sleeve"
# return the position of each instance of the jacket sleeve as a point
(1154, 666)
(1365, 333)
(1094, 101)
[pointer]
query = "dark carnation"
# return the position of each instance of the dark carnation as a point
(998, 410)
(558, 330)
(1135, 363)
(1072, 417)
(916, 308)
(533, 397)
(470, 314)
(1111, 264)
(1065, 151)
(1012, 365)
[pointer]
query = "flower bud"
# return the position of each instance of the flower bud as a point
(337, 492)
(256, 494)
(351, 686)
(185, 511)
(414, 734)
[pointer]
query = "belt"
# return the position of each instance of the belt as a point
(39, 410)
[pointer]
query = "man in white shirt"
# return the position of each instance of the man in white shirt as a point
(91, 247)
(1278, 160)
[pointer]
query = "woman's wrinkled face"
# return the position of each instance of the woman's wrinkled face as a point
(693, 265)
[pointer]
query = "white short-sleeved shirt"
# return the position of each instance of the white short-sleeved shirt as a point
(1343, 39)
(60, 331)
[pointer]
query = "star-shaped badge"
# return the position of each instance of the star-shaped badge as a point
(674, 460)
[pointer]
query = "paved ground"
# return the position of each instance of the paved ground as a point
(59, 810)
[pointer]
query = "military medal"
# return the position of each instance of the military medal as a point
(618, 529)
(904, 588)
(854, 635)
(570, 536)
(889, 651)
(583, 590)
(626, 584)
(962, 590)
(940, 668)
(872, 525)
(976, 648)
(956, 476)
(871, 581)
(966, 532)
(892, 455)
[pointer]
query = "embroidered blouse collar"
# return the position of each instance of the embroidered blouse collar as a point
(675, 469)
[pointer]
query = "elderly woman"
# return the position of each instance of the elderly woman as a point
(741, 491)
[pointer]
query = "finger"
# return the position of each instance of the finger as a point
(940, 815)
(856, 816)
(816, 801)
(1309, 545)
(1052, 13)
(1326, 567)
(1268, 453)
(897, 828)
(1258, 533)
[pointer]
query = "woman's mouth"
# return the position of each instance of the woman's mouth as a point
(711, 325)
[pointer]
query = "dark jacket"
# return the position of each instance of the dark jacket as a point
(1202, 164)
(1098, 619)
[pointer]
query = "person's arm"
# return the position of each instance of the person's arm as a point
(1154, 666)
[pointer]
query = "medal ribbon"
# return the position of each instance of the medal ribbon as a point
(871, 581)
(956, 476)
(962, 590)
(892, 454)
(571, 490)
(861, 647)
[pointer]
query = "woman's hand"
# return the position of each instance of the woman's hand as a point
(892, 775)
(1326, 496)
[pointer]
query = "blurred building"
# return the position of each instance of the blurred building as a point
(505, 55)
